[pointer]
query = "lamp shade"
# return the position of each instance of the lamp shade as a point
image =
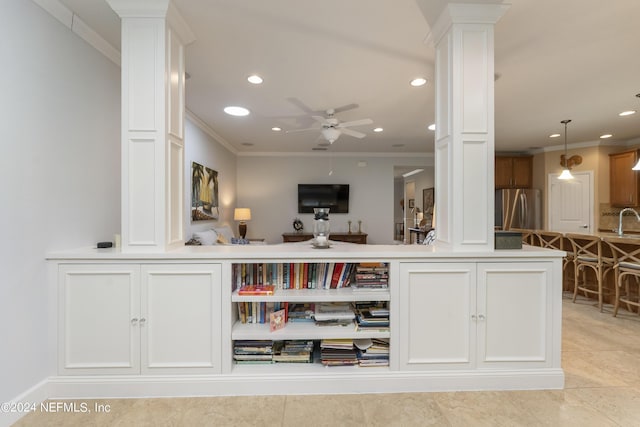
(566, 174)
(242, 214)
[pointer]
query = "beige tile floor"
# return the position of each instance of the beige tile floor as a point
(600, 356)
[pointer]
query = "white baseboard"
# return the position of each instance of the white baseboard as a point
(97, 387)
(36, 394)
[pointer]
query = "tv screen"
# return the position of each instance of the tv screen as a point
(332, 196)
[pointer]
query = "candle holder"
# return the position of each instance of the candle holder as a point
(349, 222)
(359, 226)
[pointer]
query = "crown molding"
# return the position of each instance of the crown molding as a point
(80, 28)
(209, 131)
(332, 154)
(465, 13)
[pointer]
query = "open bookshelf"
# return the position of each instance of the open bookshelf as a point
(321, 288)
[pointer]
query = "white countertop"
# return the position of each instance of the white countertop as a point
(304, 250)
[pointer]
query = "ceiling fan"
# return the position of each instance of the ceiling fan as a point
(331, 128)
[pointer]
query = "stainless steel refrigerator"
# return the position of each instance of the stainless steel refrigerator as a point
(518, 208)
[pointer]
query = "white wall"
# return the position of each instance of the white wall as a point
(201, 147)
(269, 186)
(59, 173)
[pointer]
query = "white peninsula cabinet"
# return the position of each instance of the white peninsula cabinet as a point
(172, 324)
(481, 315)
(138, 318)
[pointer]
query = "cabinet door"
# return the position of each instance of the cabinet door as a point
(522, 172)
(180, 320)
(623, 180)
(514, 315)
(98, 310)
(503, 172)
(436, 329)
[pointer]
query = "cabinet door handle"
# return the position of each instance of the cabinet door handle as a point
(143, 321)
(481, 317)
(134, 321)
(473, 317)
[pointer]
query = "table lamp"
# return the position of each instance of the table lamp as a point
(243, 215)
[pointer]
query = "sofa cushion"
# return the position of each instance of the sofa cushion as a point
(206, 237)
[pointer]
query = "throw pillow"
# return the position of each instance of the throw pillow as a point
(207, 237)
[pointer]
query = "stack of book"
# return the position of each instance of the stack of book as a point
(371, 275)
(301, 312)
(372, 352)
(253, 351)
(333, 314)
(372, 317)
(338, 352)
(293, 351)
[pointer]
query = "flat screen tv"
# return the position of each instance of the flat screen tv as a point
(332, 196)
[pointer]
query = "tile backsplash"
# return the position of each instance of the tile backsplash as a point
(609, 217)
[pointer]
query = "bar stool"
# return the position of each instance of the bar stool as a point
(591, 253)
(626, 255)
(557, 240)
(528, 237)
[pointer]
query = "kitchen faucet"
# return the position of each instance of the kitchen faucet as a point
(620, 233)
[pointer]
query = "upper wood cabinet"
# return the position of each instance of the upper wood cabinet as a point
(514, 172)
(623, 182)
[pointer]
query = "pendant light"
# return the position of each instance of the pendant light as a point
(566, 173)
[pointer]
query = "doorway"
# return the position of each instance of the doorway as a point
(570, 203)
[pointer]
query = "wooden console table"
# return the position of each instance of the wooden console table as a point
(360, 238)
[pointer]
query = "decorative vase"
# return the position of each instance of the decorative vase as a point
(321, 227)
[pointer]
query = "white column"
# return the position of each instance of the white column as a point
(464, 145)
(153, 41)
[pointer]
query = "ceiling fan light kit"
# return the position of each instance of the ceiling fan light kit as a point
(331, 128)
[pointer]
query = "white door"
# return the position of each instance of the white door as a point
(436, 328)
(180, 318)
(514, 315)
(570, 203)
(99, 308)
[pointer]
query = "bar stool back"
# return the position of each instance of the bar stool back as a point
(626, 255)
(556, 240)
(591, 253)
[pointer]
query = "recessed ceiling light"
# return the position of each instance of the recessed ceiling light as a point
(236, 111)
(554, 135)
(432, 126)
(255, 79)
(419, 81)
(378, 130)
(276, 129)
(627, 113)
(606, 135)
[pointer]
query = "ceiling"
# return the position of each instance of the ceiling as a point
(554, 60)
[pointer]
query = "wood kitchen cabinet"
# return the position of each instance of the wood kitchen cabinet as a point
(623, 181)
(513, 172)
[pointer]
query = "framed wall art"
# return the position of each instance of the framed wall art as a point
(204, 193)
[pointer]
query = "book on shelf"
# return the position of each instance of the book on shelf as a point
(276, 320)
(256, 290)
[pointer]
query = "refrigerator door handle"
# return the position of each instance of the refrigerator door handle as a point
(523, 211)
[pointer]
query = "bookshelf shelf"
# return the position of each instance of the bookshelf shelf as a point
(300, 330)
(279, 369)
(316, 295)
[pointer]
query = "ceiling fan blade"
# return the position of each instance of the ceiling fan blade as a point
(353, 133)
(302, 130)
(345, 108)
(355, 123)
